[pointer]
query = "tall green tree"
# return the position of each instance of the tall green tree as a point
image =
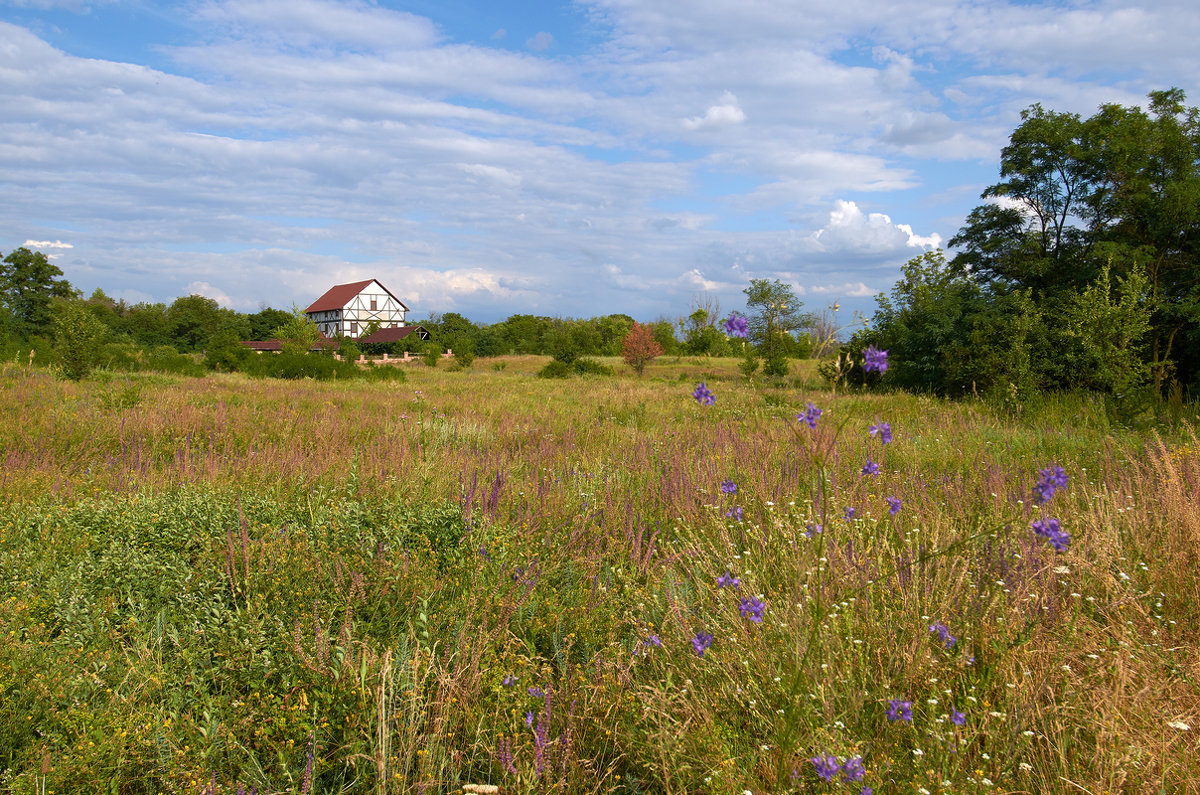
(28, 284)
(774, 315)
(78, 334)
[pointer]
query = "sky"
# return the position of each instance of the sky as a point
(569, 159)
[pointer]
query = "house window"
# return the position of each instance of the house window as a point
(393, 326)
(373, 305)
(353, 328)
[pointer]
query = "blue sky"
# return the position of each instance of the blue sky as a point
(570, 159)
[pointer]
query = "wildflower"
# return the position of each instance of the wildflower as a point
(701, 643)
(866, 791)
(899, 710)
(1050, 480)
(853, 769)
(728, 487)
(811, 530)
(849, 513)
(1050, 530)
(957, 718)
(736, 325)
(827, 766)
(734, 513)
(875, 360)
(536, 692)
(883, 430)
(893, 505)
(1179, 725)
(509, 680)
(752, 608)
(810, 416)
(703, 396)
(943, 632)
(529, 719)
(870, 468)
(727, 580)
(655, 641)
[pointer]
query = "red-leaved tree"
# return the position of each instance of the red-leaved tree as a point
(640, 347)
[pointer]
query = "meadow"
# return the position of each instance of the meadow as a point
(599, 584)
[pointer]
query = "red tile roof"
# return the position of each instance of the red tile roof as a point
(396, 334)
(339, 295)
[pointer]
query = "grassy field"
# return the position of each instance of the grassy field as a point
(592, 585)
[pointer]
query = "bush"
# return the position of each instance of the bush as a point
(591, 367)
(555, 369)
(77, 336)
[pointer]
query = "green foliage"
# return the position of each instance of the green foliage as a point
(556, 369)
(28, 284)
(78, 336)
(224, 352)
(1119, 191)
(298, 334)
(432, 354)
(774, 316)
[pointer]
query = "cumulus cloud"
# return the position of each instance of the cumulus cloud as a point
(40, 244)
(725, 112)
(851, 231)
(208, 291)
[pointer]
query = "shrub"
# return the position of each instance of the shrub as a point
(555, 369)
(77, 336)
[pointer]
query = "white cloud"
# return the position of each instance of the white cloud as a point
(40, 244)
(852, 231)
(540, 41)
(724, 113)
(208, 291)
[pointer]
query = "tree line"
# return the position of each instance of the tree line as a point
(1080, 271)
(40, 312)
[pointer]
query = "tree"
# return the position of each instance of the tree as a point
(298, 334)
(77, 338)
(28, 283)
(774, 314)
(639, 347)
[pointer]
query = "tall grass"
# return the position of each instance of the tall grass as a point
(485, 577)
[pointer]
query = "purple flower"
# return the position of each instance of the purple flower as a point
(654, 641)
(899, 710)
(1050, 480)
(703, 396)
(893, 505)
(883, 430)
(728, 487)
(727, 580)
(1050, 530)
(875, 360)
(752, 608)
(827, 766)
(943, 632)
(810, 416)
(736, 325)
(849, 513)
(734, 513)
(509, 680)
(811, 530)
(870, 468)
(536, 692)
(701, 643)
(528, 718)
(853, 770)
(866, 791)
(957, 718)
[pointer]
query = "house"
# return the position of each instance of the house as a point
(345, 310)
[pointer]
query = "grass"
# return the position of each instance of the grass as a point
(465, 578)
